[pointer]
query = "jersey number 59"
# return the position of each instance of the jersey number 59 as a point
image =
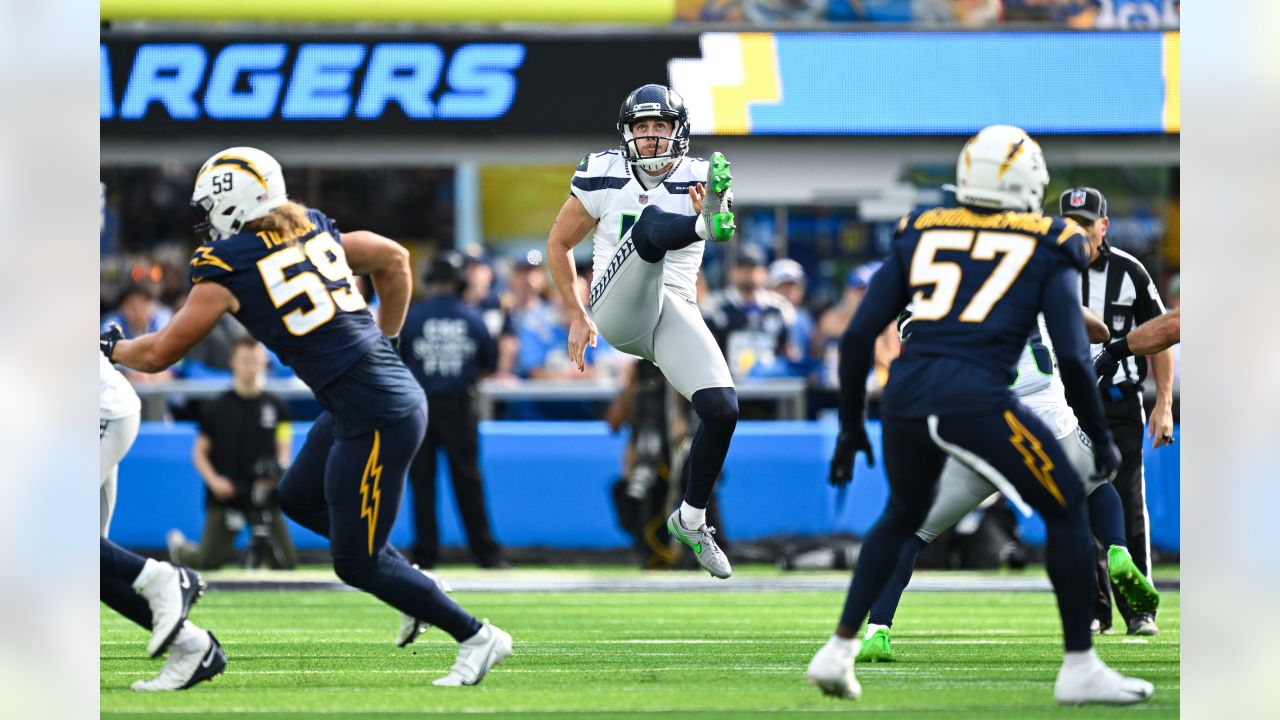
(327, 256)
(1015, 250)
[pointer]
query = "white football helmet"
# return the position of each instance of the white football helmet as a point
(233, 187)
(1002, 168)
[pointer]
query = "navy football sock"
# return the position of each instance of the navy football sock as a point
(117, 562)
(657, 231)
(1106, 515)
(1069, 558)
(717, 408)
(393, 581)
(881, 550)
(886, 604)
(120, 596)
(117, 569)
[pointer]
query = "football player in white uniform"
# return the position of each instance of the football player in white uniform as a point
(963, 489)
(647, 211)
(155, 595)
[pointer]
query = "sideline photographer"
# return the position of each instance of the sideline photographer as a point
(244, 443)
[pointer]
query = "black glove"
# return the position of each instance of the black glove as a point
(108, 338)
(1105, 367)
(848, 443)
(395, 343)
(1106, 460)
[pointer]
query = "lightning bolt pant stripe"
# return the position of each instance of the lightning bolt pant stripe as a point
(1033, 455)
(371, 489)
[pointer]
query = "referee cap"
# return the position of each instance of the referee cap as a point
(1085, 203)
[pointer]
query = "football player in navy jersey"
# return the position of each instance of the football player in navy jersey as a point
(977, 276)
(288, 275)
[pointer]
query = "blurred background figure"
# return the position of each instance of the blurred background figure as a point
(833, 322)
(787, 279)
(525, 293)
(448, 348)
(244, 444)
(750, 322)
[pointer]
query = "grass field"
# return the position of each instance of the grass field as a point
(716, 654)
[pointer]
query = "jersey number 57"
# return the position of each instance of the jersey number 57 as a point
(1015, 250)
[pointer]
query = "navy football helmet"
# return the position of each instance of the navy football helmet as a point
(654, 101)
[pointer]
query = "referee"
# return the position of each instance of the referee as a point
(447, 347)
(1120, 290)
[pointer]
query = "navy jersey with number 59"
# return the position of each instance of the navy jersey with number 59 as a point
(296, 296)
(976, 280)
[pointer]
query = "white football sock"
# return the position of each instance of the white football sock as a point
(700, 226)
(872, 628)
(149, 570)
(190, 638)
(1080, 659)
(692, 517)
(844, 645)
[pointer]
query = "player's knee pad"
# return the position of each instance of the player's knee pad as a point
(717, 408)
(359, 572)
(642, 236)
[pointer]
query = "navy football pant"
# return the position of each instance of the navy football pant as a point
(117, 569)
(349, 490)
(1013, 448)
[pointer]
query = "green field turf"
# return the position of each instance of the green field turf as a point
(713, 654)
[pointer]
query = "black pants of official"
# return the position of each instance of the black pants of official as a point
(1128, 424)
(455, 428)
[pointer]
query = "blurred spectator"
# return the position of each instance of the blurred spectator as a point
(243, 444)
(447, 347)
(138, 312)
(895, 11)
(543, 333)
(750, 322)
(834, 321)
(957, 13)
(526, 289)
(784, 12)
(1137, 14)
(786, 277)
(480, 294)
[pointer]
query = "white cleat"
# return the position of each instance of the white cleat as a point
(477, 655)
(702, 541)
(410, 626)
(192, 660)
(1094, 682)
(170, 591)
(831, 669)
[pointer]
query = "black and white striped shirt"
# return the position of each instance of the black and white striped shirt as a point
(1120, 290)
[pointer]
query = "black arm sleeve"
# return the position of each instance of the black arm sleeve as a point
(886, 297)
(1063, 317)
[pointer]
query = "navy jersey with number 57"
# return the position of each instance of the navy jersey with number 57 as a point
(976, 280)
(297, 296)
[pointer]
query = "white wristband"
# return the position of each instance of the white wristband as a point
(700, 226)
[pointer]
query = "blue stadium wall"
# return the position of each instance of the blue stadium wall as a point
(542, 477)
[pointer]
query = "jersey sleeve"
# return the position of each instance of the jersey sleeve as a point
(210, 262)
(1071, 242)
(886, 297)
(324, 223)
(587, 179)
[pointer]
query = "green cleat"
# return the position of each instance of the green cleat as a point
(717, 206)
(1137, 590)
(876, 648)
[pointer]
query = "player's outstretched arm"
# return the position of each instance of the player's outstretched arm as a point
(386, 262)
(1094, 327)
(153, 352)
(571, 226)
